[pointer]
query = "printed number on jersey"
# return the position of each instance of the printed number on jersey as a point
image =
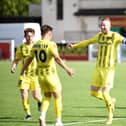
(41, 55)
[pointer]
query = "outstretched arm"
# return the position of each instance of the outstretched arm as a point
(84, 43)
(81, 44)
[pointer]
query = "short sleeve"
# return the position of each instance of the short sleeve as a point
(19, 53)
(119, 38)
(54, 49)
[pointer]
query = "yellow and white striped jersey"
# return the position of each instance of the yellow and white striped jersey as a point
(107, 47)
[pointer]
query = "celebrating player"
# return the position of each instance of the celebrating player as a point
(105, 66)
(46, 54)
(29, 81)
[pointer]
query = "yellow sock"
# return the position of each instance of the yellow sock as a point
(40, 99)
(108, 101)
(26, 106)
(45, 104)
(58, 107)
(97, 94)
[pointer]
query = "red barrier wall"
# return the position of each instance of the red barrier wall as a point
(5, 49)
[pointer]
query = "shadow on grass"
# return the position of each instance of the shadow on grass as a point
(19, 120)
(92, 116)
(96, 107)
(15, 119)
(86, 107)
(78, 115)
(85, 116)
(91, 119)
(120, 107)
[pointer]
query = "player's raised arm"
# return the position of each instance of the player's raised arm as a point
(28, 61)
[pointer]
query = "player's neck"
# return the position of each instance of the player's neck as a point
(45, 38)
(106, 32)
(29, 42)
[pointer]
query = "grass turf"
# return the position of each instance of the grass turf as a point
(79, 108)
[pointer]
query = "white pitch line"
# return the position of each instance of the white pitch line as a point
(91, 121)
(72, 123)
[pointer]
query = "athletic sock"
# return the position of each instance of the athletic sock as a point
(107, 98)
(108, 101)
(26, 106)
(45, 104)
(58, 107)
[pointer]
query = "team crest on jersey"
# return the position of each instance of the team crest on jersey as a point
(109, 38)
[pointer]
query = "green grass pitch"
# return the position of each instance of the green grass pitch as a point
(79, 108)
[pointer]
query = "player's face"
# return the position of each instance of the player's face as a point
(29, 37)
(105, 26)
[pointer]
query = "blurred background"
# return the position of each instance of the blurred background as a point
(72, 20)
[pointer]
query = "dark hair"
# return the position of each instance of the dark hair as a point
(29, 30)
(45, 29)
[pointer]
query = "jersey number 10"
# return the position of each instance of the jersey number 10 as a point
(40, 55)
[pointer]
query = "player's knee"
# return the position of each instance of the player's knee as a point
(97, 94)
(36, 96)
(48, 94)
(57, 95)
(104, 93)
(92, 93)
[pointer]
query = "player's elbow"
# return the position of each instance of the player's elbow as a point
(57, 59)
